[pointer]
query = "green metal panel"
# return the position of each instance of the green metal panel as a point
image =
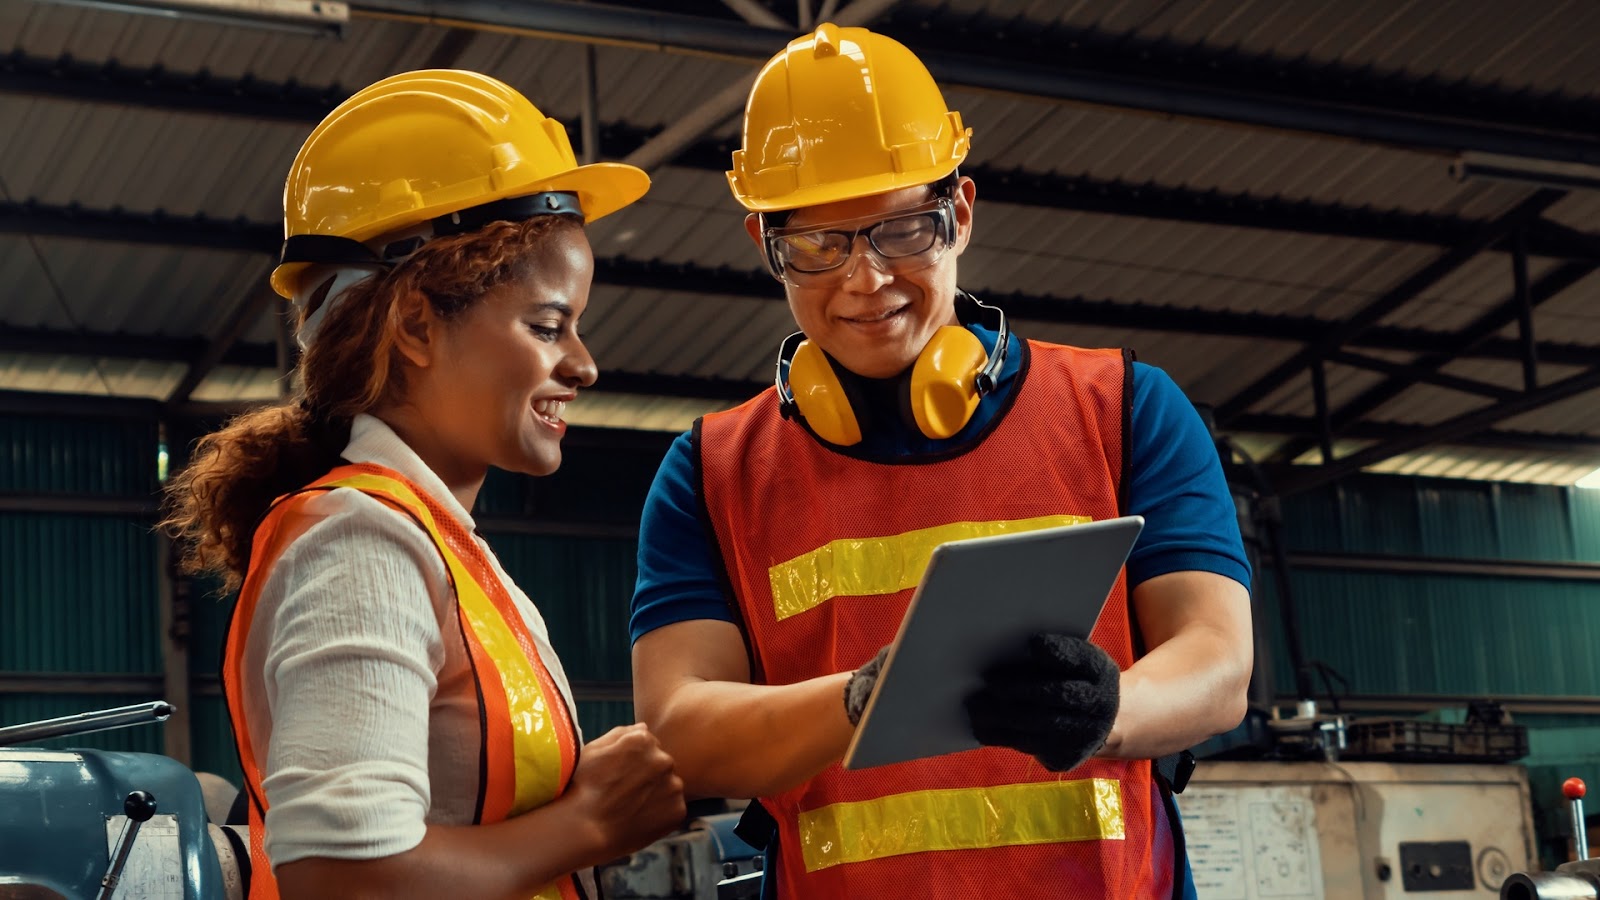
(212, 748)
(1583, 514)
(582, 587)
(18, 708)
(1399, 634)
(1311, 520)
(595, 484)
(600, 716)
(77, 594)
(1381, 517)
(503, 493)
(209, 614)
(1393, 515)
(1533, 522)
(1457, 520)
(51, 455)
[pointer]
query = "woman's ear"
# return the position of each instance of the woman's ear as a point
(416, 328)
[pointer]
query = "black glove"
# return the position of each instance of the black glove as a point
(1055, 701)
(859, 688)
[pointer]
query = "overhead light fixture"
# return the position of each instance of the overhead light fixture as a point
(1525, 170)
(1591, 480)
(320, 18)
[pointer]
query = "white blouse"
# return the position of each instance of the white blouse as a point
(363, 706)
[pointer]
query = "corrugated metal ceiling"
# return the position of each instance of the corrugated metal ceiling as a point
(59, 152)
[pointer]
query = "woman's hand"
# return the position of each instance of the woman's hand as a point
(626, 788)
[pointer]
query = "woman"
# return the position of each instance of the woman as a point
(404, 726)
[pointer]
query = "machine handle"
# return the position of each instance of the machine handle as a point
(140, 806)
(1574, 789)
(84, 723)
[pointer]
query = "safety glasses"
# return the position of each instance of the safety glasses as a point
(903, 242)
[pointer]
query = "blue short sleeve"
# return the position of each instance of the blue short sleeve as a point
(1178, 486)
(678, 576)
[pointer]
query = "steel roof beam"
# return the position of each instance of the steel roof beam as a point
(1089, 66)
(244, 317)
(1521, 441)
(1399, 295)
(1422, 375)
(155, 227)
(753, 285)
(1446, 432)
(1468, 339)
(57, 405)
(159, 89)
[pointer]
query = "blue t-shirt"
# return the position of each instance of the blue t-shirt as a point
(1190, 523)
(1177, 485)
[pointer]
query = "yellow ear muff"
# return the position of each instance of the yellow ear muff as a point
(944, 392)
(821, 398)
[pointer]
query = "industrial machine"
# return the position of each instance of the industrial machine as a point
(1356, 830)
(704, 860)
(98, 825)
(1576, 880)
(106, 825)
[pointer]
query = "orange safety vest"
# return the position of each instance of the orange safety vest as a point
(529, 742)
(823, 550)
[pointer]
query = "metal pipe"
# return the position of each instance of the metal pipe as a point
(85, 723)
(1547, 886)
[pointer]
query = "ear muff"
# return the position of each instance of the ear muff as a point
(943, 393)
(821, 397)
(937, 396)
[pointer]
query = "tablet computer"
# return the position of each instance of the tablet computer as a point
(978, 601)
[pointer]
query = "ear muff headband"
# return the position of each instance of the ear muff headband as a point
(946, 382)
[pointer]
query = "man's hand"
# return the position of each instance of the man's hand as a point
(859, 689)
(1056, 701)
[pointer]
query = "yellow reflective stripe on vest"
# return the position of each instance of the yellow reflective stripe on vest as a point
(536, 746)
(862, 567)
(1051, 812)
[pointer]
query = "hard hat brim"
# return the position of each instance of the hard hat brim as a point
(868, 186)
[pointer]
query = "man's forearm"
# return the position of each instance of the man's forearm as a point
(1182, 692)
(742, 740)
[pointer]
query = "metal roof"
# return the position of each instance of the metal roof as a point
(142, 159)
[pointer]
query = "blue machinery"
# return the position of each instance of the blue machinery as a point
(103, 825)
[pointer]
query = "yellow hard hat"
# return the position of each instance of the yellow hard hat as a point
(420, 146)
(843, 113)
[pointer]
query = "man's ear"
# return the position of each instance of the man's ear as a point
(752, 226)
(966, 197)
(416, 328)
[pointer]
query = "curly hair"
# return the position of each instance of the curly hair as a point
(214, 504)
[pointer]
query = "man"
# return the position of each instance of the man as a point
(780, 537)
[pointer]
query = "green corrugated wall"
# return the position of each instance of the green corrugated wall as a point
(1397, 633)
(1483, 635)
(78, 592)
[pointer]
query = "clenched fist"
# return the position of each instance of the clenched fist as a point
(626, 786)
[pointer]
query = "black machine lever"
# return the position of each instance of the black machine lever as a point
(139, 807)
